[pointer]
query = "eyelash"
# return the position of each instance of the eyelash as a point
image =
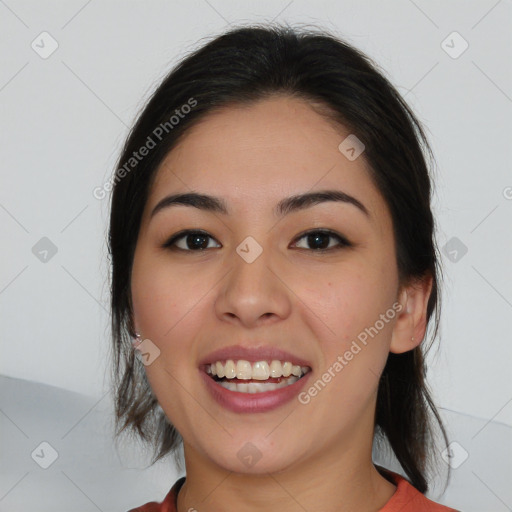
(343, 242)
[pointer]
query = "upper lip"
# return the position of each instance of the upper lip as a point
(253, 354)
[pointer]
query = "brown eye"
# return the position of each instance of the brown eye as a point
(189, 240)
(319, 240)
(196, 241)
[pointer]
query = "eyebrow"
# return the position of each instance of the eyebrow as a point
(284, 207)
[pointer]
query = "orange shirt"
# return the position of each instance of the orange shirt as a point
(406, 499)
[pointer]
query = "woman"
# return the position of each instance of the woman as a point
(274, 263)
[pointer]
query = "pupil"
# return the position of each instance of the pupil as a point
(197, 237)
(315, 237)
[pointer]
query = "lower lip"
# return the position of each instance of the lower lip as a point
(253, 402)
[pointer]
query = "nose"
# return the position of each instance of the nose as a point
(253, 293)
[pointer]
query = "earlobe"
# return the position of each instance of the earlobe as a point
(411, 324)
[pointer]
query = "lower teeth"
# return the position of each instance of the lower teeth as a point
(257, 387)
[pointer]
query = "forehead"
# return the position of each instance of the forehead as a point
(254, 155)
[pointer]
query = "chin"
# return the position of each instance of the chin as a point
(247, 458)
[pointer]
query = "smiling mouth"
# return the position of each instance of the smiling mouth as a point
(259, 377)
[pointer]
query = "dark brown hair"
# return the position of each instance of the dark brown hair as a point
(242, 66)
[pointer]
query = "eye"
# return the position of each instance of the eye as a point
(319, 239)
(194, 241)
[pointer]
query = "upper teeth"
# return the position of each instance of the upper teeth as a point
(260, 370)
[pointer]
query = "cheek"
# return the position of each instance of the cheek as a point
(349, 298)
(155, 302)
(356, 347)
(155, 298)
(166, 306)
(350, 303)
(169, 304)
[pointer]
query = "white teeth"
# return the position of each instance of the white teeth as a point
(257, 387)
(243, 369)
(219, 369)
(260, 370)
(296, 370)
(230, 370)
(276, 369)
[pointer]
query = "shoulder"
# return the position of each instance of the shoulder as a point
(169, 503)
(408, 499)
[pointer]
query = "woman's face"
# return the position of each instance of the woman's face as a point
(255, 279)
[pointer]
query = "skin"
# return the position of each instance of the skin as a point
(314, 456)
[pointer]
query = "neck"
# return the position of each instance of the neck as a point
(337, 479)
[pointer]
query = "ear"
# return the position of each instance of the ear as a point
(411, 324)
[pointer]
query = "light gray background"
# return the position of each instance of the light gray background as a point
(63, 121)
